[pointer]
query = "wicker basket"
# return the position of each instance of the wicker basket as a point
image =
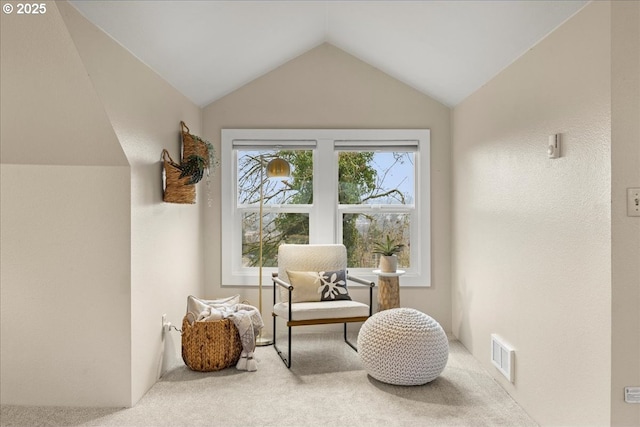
(176, 189)
(210, 346)
(191, 146)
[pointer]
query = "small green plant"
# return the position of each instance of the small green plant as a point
(193, 168)
(211, 162)
(387, 247)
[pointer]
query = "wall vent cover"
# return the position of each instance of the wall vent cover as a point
(502, 356)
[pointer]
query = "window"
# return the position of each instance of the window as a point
(286, 203)
(346, 186)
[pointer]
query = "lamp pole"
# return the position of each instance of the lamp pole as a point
(260, 340)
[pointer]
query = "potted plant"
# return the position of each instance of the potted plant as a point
(193, 167)
(198, 156)
(387, 249)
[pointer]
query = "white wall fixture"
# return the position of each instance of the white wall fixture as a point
(633, 201)
(166, 325)
(502, 356)
(632, 394)
(554, 146)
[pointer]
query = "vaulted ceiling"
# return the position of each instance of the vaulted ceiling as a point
(445, 49)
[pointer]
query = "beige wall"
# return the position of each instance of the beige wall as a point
(64, 305)
(326, 88)
(625, 231)
(532, 241)
(91, 256)
(41, 74)
(65, 205)
(166, 243)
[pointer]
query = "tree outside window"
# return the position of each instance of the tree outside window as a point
(375, 194)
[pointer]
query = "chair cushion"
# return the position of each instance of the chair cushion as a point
(321, 310)
(312, 286)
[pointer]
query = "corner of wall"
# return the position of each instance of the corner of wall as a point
(625, 230)
(62, 169)
(145, 112)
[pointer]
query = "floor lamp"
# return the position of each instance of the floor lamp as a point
(276, 168)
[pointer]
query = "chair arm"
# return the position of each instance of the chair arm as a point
(282, 283)
(361, 281)
(371, 285)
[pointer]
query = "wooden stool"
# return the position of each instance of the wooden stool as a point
(388, 289)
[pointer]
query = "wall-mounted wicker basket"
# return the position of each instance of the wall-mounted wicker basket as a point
(176, 189)
(193, 145)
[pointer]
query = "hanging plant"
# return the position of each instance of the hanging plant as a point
(193, 168)
(211, 162)
(204, 150)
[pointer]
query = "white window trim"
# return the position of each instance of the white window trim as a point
(324, 165)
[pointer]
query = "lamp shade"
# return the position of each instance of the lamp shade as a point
(278, 168)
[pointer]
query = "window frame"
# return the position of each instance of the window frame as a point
(325, 162)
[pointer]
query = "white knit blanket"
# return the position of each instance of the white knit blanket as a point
(247, 319)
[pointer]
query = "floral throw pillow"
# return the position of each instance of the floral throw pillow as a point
(313, 286)
(334, 285)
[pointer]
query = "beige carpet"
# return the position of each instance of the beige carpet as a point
(325, 386)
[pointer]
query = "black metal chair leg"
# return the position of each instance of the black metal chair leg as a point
(289, 350)
(287, 361)
(274, 330)
(347, 341)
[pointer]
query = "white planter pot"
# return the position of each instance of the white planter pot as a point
(388, 263)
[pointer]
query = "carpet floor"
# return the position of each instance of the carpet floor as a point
(326, 385)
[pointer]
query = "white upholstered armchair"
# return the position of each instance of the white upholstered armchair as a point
(312, 284)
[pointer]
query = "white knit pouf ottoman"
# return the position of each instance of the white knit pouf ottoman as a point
(403, 346)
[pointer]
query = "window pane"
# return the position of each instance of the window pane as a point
(367, 177)
(277, 228)
(360, 231)
(297, 189)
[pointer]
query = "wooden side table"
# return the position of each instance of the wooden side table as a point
(388, 289)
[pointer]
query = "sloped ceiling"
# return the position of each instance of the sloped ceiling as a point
(445, 49)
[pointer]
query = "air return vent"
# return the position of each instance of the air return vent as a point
(502, 356)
